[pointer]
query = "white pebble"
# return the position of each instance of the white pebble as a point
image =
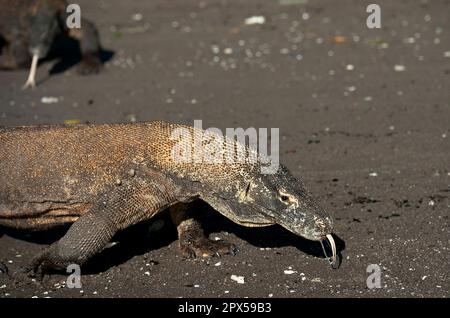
(350, 67)
(255, 20)
(228, 51)
(289, 271)
(399, 68)
(238, 279)
(49, 100)
(137, 17)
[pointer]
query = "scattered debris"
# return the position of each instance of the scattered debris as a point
(49, 100)
(132, 118)
(339, 39)
(238, 279)
(399, 68)
(256, 19)
(137, 17)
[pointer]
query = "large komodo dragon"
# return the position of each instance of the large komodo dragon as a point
(29, 29)
(105, 178)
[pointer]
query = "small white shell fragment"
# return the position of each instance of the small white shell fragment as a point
(49, 100)
(373, 174)
(289, 271)
(137, 17)
(256, 19)
(399, 68)
(350, 67)
(238, 279)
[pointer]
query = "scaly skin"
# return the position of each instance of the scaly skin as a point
(27, 25)
(105, 178)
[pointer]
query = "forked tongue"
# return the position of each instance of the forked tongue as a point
(333, 259)
(31, 81)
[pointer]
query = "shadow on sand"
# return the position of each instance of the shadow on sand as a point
(138, 240)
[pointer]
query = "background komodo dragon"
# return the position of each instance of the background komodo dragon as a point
(29, 28)
(106, 178)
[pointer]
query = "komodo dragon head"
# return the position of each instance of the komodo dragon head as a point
(280, 198)
(245, 195)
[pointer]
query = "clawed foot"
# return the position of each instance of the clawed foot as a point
(205, 248)
(47, 261)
